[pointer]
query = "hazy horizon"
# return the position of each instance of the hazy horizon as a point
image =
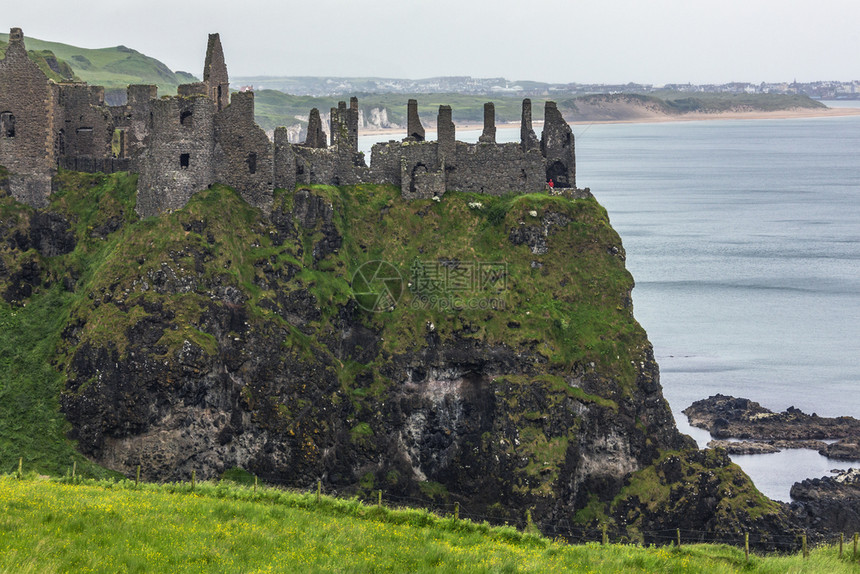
(607, 42)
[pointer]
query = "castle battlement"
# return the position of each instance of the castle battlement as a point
(204, 135)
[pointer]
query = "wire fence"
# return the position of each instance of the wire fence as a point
(572, 532)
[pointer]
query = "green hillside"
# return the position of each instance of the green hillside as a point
(114, 68)
(68, 526)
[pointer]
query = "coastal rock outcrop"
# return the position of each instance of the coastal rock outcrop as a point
(847, 448)
(730, 417)
(828, 505)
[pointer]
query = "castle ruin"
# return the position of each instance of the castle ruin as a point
(204, 135)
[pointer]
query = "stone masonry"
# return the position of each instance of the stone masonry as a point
(184, 143)
(27, 109)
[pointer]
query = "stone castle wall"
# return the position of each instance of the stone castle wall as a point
(180, 156)
(243, 152)
(184, 143)
(27, 106)
(83, 124)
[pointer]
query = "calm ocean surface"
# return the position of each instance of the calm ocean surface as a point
(744, 240)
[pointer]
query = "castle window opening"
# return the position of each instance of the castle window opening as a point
(184, 160)
(117, 143)
(7, 124)
(185, 118)
(252, 162)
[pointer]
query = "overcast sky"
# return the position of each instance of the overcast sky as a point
(586, 41)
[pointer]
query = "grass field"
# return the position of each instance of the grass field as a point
(61, 525)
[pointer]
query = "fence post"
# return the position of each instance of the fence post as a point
(805, 549)
(605, 539)
(678, 532)
(20, 466)
(456, 511)
(319, 490)
(255, 483)
(747, 545)
(74, 467)
(841, 542)
(193, 479)
(379, 500)
(137, 476)
(855, 546)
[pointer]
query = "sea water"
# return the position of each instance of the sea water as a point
(744, 240)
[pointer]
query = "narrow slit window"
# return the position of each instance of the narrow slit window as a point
(252, 162)
(184, 160)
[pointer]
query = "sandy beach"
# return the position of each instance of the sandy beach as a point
(640, 114)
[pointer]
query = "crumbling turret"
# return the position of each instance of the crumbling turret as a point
(316, 137)
(557, 146)
(414, 129)
(215, 73)
(528, 139)
(489, 134)
(445, 131)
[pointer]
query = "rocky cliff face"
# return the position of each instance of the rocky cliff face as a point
(426, 349)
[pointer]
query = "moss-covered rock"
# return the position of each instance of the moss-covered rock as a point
(484, 356)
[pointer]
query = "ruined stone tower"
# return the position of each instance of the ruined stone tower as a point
(27, 105)
(179, 159)
(557, 146)
(215, 73)
(414, 129)
(528, 139)
(316, 137)
(489, 133)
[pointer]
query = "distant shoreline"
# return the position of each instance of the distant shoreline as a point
(645, 116)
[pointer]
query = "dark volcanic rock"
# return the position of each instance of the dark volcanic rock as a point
(50, 234)
(847, 448)
(730, 417)
(743, 447)
(764, 447)
(828, 505)
(218, 337)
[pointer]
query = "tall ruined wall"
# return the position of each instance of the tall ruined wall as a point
(557, 146)
(495, 169)
(26, 121)
(83, 126)
(421, 175)
(180, 158)
(328, 166)
(316, 137)
(243, 152)
(133, 120)
(284, 160)
(385, 160)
